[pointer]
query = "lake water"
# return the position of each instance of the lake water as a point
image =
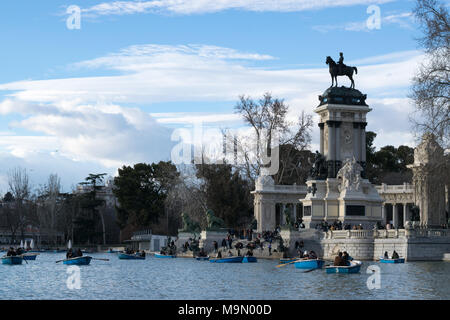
(182, 278)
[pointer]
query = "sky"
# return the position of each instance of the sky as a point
(89, 95)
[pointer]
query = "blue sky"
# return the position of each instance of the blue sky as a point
(87, 100)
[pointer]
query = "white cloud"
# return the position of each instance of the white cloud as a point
(183, 7)
(86, 120)
(403, 20)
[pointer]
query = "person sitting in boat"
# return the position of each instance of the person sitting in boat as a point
(219, 254)
(249, 253)
(339, 261)
(300, 253)
(11, 252)
(346, 258)
(386, 255)
(79, 253)
(20, 251)
(312, 255)
(69, 254)
(143, 253)
(395, 255)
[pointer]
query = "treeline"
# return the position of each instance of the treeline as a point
(53, 216)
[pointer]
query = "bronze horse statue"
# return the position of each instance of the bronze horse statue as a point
(335, 72)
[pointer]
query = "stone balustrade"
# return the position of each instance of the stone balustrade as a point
(394, 233)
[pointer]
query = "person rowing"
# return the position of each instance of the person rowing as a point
(11, 252)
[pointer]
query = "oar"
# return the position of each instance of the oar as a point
(285, 264)
(24, 259)
(100, 259)
(60, 260)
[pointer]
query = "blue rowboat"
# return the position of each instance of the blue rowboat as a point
(309, 264)
(227, 260)
(248, 259)
(159, 255)
(79, 261)
(399, 260)
(12, 260)
(354, 267)
(29, 256)
(125, 256)
(202, 258)
(284, 261)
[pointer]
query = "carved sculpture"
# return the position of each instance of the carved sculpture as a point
(188, 224)
(350, 176)
(213, 222)
(319, 170)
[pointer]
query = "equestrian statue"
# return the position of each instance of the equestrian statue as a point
(340, 69)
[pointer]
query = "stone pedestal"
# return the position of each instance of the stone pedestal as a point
(208, 237)
(347, 198)
(184, 237)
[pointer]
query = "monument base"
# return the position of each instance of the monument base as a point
(347, 198)
(208, 238)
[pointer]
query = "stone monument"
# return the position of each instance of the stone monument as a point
(337, 188)
(429, 177)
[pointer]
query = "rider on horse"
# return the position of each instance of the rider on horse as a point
(341, 62)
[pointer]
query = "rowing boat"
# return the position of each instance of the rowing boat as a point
(134, 256)
(227, 260)
(159, 255)
(79, 261)
(399, 260)
(202, 258)
(354, 267)
(12, 260)
(248, 259)
(309, 264)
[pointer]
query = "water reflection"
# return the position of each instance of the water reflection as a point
(190, 279)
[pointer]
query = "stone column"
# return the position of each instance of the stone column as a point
(356, 141)
(331, 140)
(405, 216)
(383, 213)
(338, 141)
(394, 215)
(321, 126)
(363, 141)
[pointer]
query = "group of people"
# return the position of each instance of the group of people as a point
(394, 255)
(342, 259)
(131, 251)
(11, 252)
(73, 254)
(170, 249)
(241, 234)
(337, 225)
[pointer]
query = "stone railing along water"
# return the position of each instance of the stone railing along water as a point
(394, 233)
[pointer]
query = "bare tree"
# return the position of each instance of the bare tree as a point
(20, 189)
(431, 85)
(268, 118)
(50, 205)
